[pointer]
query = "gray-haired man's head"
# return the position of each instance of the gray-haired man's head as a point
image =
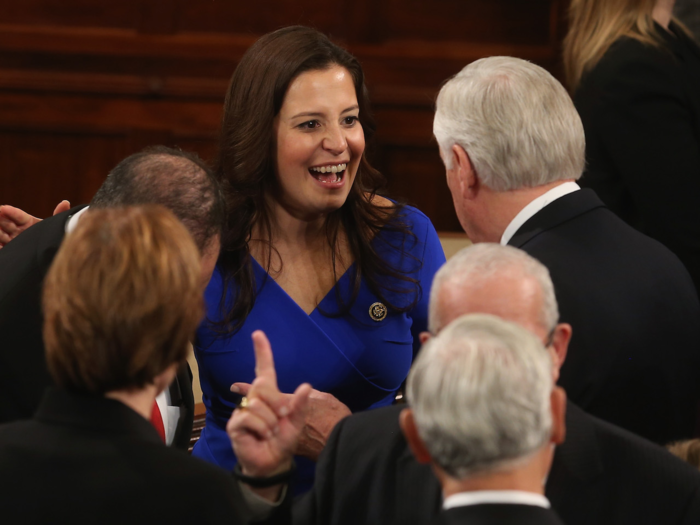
(516, 122)
(480, 395)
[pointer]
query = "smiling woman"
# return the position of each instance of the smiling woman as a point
(335, 275)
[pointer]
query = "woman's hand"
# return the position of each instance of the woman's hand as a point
(14, 221)
(264, 435)
(324, 411)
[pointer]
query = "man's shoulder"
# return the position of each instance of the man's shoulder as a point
(579, 226)
(373, 438)
(30, 245)
(621, 476)
(639, 458)
(371, 425)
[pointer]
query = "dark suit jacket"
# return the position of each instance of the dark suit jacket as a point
(495, 514)
(601, 475)
(24, 263)
(634, 359)
(94, 460)
(640, 107)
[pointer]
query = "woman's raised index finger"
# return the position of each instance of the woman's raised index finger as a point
(264, 362)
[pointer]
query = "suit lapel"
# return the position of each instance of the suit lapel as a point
(561, 210)
(574, 483)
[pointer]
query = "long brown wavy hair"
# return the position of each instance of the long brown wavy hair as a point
(595, 24)
(246, 168)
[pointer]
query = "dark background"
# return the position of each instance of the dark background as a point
(83, 83)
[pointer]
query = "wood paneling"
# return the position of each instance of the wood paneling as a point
(85, 83)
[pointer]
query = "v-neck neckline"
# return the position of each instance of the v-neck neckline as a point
(268, 277)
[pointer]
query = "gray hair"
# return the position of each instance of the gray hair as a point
(482, 261)
(516, 122)
(480, 394)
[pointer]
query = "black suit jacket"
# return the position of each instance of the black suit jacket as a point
(498, 514)
(94, 460)
(601, 475)
(640, 107)
(24, 263)
(634, 359)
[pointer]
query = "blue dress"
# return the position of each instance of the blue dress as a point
(359, 360)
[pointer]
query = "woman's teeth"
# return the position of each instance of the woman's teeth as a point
(330, 169)
(335, 173)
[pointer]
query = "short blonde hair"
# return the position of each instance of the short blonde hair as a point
(595, 24)
(122, 300)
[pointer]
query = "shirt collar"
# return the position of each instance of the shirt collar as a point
(535, 206)
(477, 497)
(72, 222)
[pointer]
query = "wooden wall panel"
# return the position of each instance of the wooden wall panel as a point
(85, 83)
(72, 13)
(459, 20)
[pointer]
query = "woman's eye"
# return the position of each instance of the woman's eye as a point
(350, 121)
(311, 124)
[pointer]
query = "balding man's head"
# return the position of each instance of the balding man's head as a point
(501, 281)
(177, 180)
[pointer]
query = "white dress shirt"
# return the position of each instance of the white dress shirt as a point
(170, 414)
(478, 497)
(535, 206)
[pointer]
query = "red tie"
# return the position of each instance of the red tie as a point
(157, 421)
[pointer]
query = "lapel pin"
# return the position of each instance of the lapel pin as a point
(378, 312)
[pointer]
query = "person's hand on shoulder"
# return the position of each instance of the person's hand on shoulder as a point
(14, 221)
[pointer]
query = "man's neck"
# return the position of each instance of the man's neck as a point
(502, 207)
(498, 481)
(527, 476)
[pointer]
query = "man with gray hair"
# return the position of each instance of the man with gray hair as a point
(513, 147)
(484, 412)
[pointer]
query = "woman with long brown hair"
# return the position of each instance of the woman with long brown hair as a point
(634, 72)
(335, 275)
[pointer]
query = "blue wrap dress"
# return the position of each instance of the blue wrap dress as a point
(358, 359)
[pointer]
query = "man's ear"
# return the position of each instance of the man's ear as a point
(464, 170)
(558, 402)
(423, 337)
(560, 343)
(415, 443)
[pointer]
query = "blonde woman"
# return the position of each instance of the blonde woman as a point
(634, 72)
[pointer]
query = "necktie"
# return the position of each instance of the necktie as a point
(157, 421)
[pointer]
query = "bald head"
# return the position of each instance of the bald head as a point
(175, 179)
(502, 281)
(497, 280)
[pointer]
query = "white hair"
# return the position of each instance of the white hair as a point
(482, 261)
(480, 394)
(516, 122)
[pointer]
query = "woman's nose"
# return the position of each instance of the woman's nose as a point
(335, 140)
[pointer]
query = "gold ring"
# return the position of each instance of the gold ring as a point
(243, 403)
